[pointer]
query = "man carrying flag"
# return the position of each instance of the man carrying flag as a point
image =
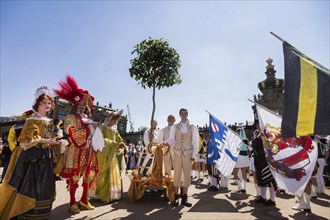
(223, 148)
(291, 160)
(212, 171)
(264, 176)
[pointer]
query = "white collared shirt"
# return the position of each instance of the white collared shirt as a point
(146, 136)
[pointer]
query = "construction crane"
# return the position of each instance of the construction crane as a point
(130, 119)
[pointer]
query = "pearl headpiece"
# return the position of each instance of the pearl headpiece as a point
(41, 90)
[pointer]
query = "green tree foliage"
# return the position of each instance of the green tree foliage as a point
(156, 65)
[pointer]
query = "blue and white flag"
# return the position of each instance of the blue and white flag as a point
(223, 148)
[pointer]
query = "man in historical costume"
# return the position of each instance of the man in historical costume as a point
(111, 161)
(184, 138)
(168, 153)
(252, 167)
(150, 136)
(80, 158)
(303, 201)
(264, 176)
(214, 176)
(150, 139)
(28, 188)
(319, 186)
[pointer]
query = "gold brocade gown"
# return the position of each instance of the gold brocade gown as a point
(28, 188)
(109, 180)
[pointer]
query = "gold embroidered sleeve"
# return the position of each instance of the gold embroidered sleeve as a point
(30, 134)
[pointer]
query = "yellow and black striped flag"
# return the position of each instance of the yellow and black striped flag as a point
(306, 95)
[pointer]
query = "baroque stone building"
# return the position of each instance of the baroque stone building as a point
(98, 114)
(62, 108)
(272, 90)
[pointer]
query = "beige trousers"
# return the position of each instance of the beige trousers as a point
(182, 166)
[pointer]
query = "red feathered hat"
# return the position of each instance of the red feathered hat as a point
(70, 91)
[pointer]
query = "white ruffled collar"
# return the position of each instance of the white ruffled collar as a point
(37, 116)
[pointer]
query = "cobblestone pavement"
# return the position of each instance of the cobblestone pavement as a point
(222, 204)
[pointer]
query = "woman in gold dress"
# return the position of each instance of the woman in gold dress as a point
(28, 188)
(109, 181)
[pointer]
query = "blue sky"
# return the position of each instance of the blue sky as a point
(223, 47)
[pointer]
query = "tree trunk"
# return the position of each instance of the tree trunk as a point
(151, 136)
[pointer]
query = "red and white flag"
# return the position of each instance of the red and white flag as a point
(292, 160)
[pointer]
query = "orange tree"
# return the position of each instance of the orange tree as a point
(156, 65)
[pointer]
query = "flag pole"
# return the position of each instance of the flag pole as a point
(300, 54)
(275, 35)
(271, 111)
(224, 125)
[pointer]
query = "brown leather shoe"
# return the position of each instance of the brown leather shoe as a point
(74, 209)
(184, 201)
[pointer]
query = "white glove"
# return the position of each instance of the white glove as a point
(63, 145)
